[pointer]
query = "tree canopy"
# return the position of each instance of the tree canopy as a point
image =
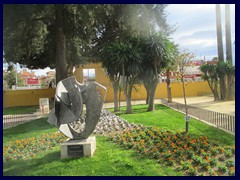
(61, 35)
(42, 36)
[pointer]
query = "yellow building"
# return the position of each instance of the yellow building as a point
(192, 88)
(95, 72)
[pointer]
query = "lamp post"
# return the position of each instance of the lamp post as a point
(16, 77)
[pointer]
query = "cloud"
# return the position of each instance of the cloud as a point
(41, 72)
(197, 27)
(199, 37)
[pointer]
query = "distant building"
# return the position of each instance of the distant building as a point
(24, 74)
(192, 73)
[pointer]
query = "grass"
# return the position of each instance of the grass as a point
(110, 159)
(192, 156)
(20, 110)
(168, 119)
(28, 130)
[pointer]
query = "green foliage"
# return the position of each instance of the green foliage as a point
(20, 110)
(222, 168)
(109, 159)
(169, 148)
(30, 33)
(10, 78)
(5, 85)
(214, 72)
(29, 147)
(170, 120)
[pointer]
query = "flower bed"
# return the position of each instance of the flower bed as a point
(194, 156)
(29, 147)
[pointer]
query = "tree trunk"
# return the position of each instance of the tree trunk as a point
(129, 98)
(185, 102)
(115, 91)
(228, 34)
(147, 90)
(152, 91)
(60, 42)
(184, 96)
(147, 98)
(223, 88)
(214, 90)
(230, 78)
(169, 92)
(231, 87)
(215, 93)
(220, 49)
(119, 98)
(219, 33)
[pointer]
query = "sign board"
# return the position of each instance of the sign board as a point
(32, 81)
(187, 118)
(75, 151)
(44, 105)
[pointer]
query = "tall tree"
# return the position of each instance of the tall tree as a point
(219, 33)
(183, 61)
(158, 52)
(121, 20)
(220, 49)
(228, 34)
(12, 78)
(171, 66)
(230, 76)
(210, 75)
(112, 69)
(42, 36)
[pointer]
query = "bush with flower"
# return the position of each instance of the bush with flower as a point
(29, 147)
(194, 156)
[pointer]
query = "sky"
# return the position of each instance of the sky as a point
(196, 30)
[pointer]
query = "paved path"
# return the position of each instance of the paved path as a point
(13, 120)
(204, 102)
(207, 102)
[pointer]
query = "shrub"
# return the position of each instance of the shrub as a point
(230, 163)
(222, 168)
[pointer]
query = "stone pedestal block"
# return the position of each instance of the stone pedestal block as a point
(78, 148)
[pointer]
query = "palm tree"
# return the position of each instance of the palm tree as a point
(220, 49)
(230, 76)
(219, 33)
(130, 58)
(108, 56)
(228, 33)
(157, 49)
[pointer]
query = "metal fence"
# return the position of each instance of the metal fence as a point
(221, 120)
(13, 120)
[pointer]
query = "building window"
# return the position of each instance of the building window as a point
(88, 75)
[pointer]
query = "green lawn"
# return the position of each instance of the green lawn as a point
(20, 110)
(168, 119)
(110, 159)
(28, 130)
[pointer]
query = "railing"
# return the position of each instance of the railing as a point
(220, 120)
(16, 119)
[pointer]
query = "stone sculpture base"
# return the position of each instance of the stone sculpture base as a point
(78, 148)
